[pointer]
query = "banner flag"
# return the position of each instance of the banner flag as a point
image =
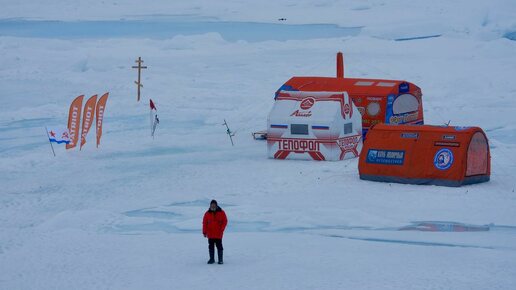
(58, 135)
(87, 118)
(154, 121)
(74, 120)
(101, 105)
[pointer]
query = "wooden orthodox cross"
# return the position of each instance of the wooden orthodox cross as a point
(139, 61)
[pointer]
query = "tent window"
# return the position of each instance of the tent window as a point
(299, 129)
(363, 83)
(405, 103)
(385, 84)
(348, 128)
(477, 155)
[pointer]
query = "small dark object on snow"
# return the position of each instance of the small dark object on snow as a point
(229, 132)
(260, 135)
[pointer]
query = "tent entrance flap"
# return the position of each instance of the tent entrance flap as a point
(477, 155)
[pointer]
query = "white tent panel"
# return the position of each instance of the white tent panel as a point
(314, 126)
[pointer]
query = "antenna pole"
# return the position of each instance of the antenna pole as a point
(230, 134)
(340, 65)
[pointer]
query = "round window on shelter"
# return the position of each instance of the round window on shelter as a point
(373, 109)
(404, 104)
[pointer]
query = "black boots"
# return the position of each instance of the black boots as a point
(212, 257)
(219, 252)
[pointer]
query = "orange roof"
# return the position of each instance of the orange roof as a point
(354, 86)
(431, 128)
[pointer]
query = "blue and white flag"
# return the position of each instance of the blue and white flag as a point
(58, 135)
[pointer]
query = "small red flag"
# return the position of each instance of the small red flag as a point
(152, 107)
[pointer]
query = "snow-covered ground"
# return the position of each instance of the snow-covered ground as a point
(128, 215)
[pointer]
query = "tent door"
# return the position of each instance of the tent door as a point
(477, 155)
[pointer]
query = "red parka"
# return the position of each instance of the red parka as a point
(214, 223)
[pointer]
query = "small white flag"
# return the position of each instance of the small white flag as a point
(58, 135)
(156, 122)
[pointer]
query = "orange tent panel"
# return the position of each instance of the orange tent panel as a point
(423, 154)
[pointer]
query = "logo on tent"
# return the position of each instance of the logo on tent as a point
(443, 159)
(404, 87)
(307, 103)
(297, 113)
(347, 109)
(388, 157)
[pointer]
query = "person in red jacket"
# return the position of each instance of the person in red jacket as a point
(213, 226)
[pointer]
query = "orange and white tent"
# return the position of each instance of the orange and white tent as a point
(423, 154)
(314, 126)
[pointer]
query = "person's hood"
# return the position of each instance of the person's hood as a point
(216, 210)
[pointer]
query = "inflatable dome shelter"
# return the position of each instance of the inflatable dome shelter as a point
(423, 154)
(378, 100)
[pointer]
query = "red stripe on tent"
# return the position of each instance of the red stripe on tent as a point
(281, 154)
(343, 153)
(350, 102)
(316, 156)
(327, 140)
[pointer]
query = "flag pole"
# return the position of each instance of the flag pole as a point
(97, 133)
(46, 130)
(150, 118)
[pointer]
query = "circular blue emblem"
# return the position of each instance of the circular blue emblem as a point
(443, 159)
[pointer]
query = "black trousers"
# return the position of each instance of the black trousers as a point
(215, 242)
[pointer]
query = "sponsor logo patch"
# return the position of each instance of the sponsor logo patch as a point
(443, 159)
(299, 146)
(404, 87)
(388, 157)
(404, 118)
(449, 144)
(298, 113)
(307, 103)
(347, 109)
(410, 135)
